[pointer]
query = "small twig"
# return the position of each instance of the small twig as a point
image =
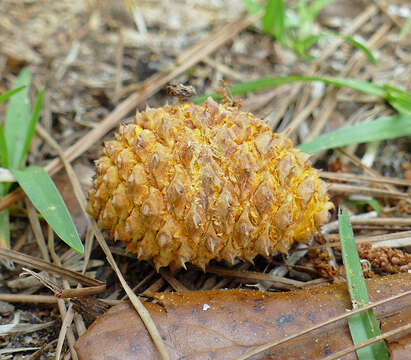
(138, 305)
(42, 265)
(36, 227)
(172, 281)
(30, 299)
(364, 178)
(41, 350)
(363, 190)
(252, 275)
(65, 327)
(403, 239)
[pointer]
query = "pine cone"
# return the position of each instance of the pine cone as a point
(192, 183)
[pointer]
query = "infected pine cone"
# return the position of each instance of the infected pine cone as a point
(192, 183)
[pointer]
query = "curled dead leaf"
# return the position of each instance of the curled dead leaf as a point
(224, 324)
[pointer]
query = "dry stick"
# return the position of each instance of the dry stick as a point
(364, 178)
(41, 265)
(140, 284)
(351, 69)
(363, 190)
(138, 305)
(340, 354)
(374, 240)
(119, 67)
(383, 5)
(383, 221)
(357, 162)
(356, 24)
(40, 351)
(146, 89)
(79, 323)
(224, 69)
(61, 304)
(257, 104)
(264, 347)
(38, 233)
(284, 106)
(302, 116)
(65, 330)
(65, 314)
(252, 275)
(31, 299)
(155, 287)
(218, 37)
(172, 281)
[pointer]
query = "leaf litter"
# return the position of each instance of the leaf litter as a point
(93, 58)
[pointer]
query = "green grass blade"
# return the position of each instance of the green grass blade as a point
(362, 326)
(7, 94)
(274, 19)
(4, 221)
(399, 99)
(356, 282)
(358, 45)
(303, 45)
(4, 229)
(360, 204)
(394, 96)
(32, 125)
(374, 130)
(17, 118)
(44, 195)
(269, 82)
(3, 149)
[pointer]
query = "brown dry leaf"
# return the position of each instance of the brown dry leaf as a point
(223, 324)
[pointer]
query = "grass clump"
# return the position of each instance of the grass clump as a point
(15, 138)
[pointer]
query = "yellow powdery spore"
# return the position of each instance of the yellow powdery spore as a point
(192, 183)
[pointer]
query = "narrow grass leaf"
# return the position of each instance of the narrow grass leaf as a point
(3, 149)
(269, 82)
(399, 99)
(360, 204)
(17, 118)
(32, 125)
(7, 94)
(362, 326)
(274, 19)
(301, 46)
(356, 44)
(374, 130)
(44, 195)
(4, 229)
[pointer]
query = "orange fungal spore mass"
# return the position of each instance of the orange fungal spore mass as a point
(192, 183)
